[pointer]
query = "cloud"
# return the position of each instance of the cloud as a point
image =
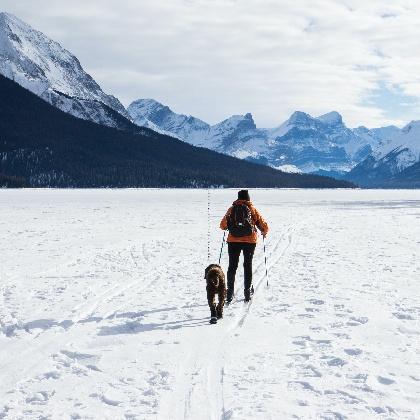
(216, 58)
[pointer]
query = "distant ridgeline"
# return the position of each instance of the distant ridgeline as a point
(41, 146)
(322, 145)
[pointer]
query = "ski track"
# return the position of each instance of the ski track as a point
(105, 316)
(207, 379)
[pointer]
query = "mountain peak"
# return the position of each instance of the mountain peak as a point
(147, 105)
(148, 101)
(299, 117)
(5, 19)
(159, 117)
(243, 122)
(44, 67)
(412, 124)
(331, 118)
(4, 16)
(362, 129)
(10, 19)
(248, 122)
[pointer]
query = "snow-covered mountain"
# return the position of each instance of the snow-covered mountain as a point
(323, 144)
(152, 114)
(42, 66)
(391, 160)
(302, 143)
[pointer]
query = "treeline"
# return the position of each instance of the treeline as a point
(7, 181)
(41, 146)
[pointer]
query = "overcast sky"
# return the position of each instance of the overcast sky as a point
(216, 58)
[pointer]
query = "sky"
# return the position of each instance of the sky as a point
(217, 58)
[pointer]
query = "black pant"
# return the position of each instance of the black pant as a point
(235, 249)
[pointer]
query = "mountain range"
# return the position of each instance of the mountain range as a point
(42, 146)
(322, 145)
(301, 144)
(319, 145)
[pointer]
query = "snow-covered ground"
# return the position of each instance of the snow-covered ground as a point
(103, 310)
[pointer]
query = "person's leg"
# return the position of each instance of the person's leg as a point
(248, 255)
(234, 250)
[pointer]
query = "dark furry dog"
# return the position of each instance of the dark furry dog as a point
(216, 285)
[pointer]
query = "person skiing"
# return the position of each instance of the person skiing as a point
(242, 220)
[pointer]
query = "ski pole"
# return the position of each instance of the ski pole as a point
(221, 249)
(265, 259)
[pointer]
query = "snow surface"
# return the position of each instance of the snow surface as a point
(103, 310)
(288, 168)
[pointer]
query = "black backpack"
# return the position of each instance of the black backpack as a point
(239, 221)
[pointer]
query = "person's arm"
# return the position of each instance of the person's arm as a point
(223, 223)
(261, 224)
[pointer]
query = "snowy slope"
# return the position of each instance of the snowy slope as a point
(307, 143)
(41, 65)
(408, 139)
(398, 150)
(103, 310)
(152, 114)
(237, 134)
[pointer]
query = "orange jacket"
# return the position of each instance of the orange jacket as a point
(257, 220)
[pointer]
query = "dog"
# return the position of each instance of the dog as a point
(216, 285)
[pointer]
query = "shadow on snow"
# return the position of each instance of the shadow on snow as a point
(136, 327)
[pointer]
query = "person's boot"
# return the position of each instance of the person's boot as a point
(229, 296)
(219, 312)
(247, 294)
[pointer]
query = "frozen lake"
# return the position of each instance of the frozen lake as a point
(103, 310)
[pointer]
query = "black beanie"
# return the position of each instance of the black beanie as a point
(243, 195)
